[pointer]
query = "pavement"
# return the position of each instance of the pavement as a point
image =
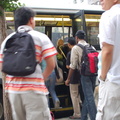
(67, 118)
(63, 119)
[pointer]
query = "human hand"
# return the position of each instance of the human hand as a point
(67, 82)
(102, 78)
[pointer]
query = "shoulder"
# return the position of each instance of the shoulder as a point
(35, 33)
(40, 38)
(76, 49)
(115, 9)
(115, 14)
(112, 13)
(105, 16)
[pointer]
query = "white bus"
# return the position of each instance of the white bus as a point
(61, 23)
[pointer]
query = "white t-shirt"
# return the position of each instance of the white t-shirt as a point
(110, 33)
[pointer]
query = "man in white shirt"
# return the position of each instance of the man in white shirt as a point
(109, 62)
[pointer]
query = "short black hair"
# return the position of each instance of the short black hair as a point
(80, 34)
(22, 16)
(71, 41)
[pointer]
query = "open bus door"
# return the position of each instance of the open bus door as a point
(88, 20)
(78, 22)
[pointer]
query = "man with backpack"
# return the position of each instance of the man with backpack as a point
(27, 91)
(87, 81)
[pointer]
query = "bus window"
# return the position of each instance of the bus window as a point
(40, 28)
(61, 33)
(92, 24)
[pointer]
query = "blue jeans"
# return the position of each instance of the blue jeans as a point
(50, 84)
(89, 107)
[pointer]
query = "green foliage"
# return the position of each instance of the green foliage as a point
(10, 5)
(0, 13)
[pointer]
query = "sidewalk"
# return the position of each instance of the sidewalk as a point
(63, 118)
(67, 118)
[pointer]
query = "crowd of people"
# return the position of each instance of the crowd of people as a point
(30, 91)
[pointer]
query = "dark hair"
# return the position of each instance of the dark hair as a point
(22, 16)
(80, 34)
(71, 41)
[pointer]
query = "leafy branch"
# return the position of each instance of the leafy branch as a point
(10, 5)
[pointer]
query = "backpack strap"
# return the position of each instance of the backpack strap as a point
(82, 47)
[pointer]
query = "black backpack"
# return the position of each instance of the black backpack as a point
(19, 55)
(89, 60)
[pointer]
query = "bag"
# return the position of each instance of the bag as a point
(89, 60)
(19, 55)
(60, 79)
(52, 115)
(59, 74)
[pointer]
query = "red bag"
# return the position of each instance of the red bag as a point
(89, 60)
(52, 115)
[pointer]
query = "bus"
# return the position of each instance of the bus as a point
(61, 23)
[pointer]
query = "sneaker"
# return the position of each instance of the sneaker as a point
(57, 104)
(73, 117)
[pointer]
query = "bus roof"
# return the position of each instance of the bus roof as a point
(55, 6)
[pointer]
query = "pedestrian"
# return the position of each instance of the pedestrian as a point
(62, 49)
(50, 84)
(27, 95)
(74, 83)
(109, 62)
(88, 82)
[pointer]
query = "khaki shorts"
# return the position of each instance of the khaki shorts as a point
(109, 101)
(29, 106)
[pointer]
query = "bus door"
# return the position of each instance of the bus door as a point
(92, 19)
(78, 22)
(88, 21)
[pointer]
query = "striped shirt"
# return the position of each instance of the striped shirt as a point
(33, 82)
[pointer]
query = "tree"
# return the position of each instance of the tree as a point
(6, 5)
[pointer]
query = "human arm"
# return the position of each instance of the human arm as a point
(69, 76)
(107, 36)
(50, 65)
(73, 63)
(107, 54)
(48, 53)
(68, 60)
(68, 67)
